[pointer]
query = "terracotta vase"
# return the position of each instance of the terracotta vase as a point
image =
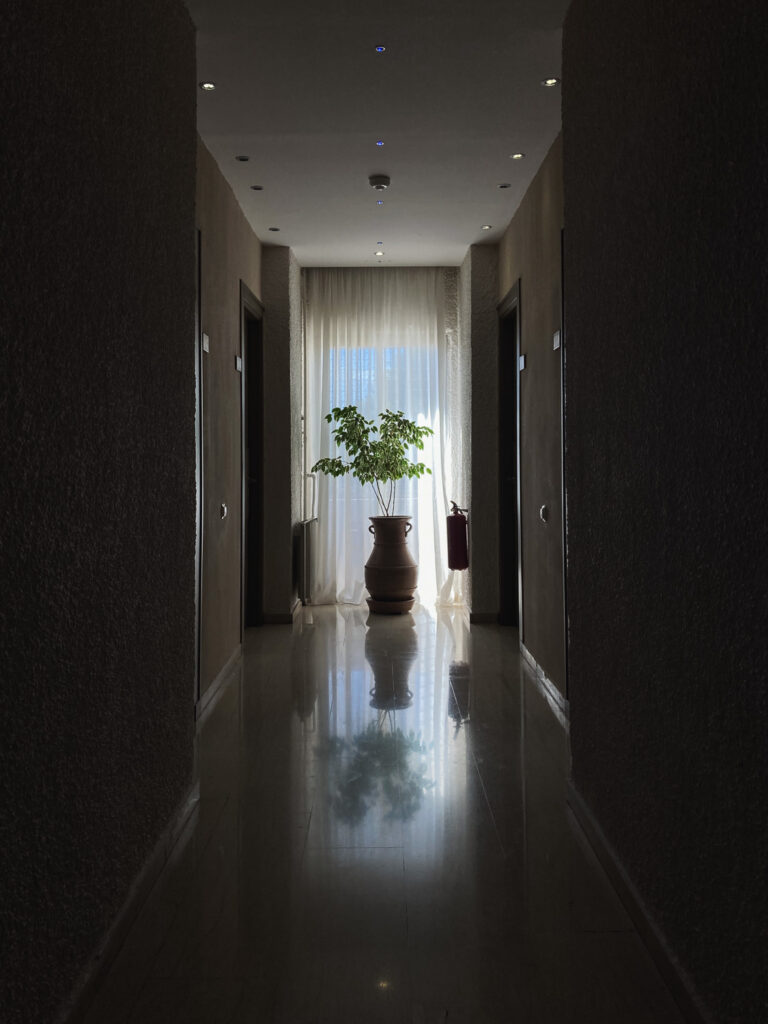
(390, 572)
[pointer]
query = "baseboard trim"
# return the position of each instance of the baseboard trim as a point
(549, 691)
(219, 684)
(283, 618)
(675, 978)
(483, 618)
(76, 1006)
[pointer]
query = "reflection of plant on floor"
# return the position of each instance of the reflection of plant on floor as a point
(376, 763)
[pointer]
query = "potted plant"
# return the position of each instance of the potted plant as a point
(378, 455)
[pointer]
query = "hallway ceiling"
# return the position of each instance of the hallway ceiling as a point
(302, 92)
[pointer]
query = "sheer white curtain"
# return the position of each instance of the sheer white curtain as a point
(378, 339)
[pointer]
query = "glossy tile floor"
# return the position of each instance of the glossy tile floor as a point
(382, 836)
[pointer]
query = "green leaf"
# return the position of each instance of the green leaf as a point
(374, 460)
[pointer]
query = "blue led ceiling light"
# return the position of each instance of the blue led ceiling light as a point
(380, 142)
(380, 49)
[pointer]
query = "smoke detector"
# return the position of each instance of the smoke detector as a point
(379, 181)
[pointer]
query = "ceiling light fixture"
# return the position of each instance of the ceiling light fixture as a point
(379, 181)
(257, 188)
(504, 184)
(549, 82)
(487, 227)
(378, 253)
(243, 159)
(274, 229)
(517, 156)
(379, 202)
(380, 49)
(207, 86)
(380, 142)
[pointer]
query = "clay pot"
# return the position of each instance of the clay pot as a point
(390, 572)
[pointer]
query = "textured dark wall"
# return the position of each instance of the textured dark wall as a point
(98, 502)
(666, 206)
(283, 453)
(230, 253)
(480, 282)
(530, 251)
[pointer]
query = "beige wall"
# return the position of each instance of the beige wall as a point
(230, 252)
(530, 251)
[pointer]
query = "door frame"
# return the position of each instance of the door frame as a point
(563, 495)
(199, 476)
(250, 309)
(511, 304)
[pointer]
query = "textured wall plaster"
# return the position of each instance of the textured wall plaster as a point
(230, 252)
(283, 456)
(98, 488)
(664, 114)
(530, 251)
(479, 273)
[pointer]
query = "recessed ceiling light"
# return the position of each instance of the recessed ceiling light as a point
(274, 229)
(243, 159)
(380, 142)
(504, 184)
(549, 82)
(207, 86)
(379, 243)
(379, 202)
(487, 227)
(517, 156)
(257, 188)
(380, 49)
(378, 253)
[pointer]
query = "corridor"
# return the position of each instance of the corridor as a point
(382, 836)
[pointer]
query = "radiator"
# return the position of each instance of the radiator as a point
(307, 535)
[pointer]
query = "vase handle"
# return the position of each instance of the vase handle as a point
(408, 528)
(371, 529)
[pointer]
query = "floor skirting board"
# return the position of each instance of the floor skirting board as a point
(487, 618)
(669, 968)
(214, 691)
(548, 689)
(285, 618)
(174, 836)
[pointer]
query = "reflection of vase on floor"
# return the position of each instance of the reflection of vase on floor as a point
(391, 573)
(391, 647)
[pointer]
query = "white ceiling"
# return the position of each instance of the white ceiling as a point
(301, 91)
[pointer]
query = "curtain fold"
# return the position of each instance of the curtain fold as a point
(378, 339)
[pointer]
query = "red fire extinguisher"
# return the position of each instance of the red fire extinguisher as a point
(458, 557)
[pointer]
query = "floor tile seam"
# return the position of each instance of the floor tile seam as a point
(178, 906)
(604, 931)
(305, 844)
(368, 846)
(488, 803)
(174, 904)
(137, 997)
